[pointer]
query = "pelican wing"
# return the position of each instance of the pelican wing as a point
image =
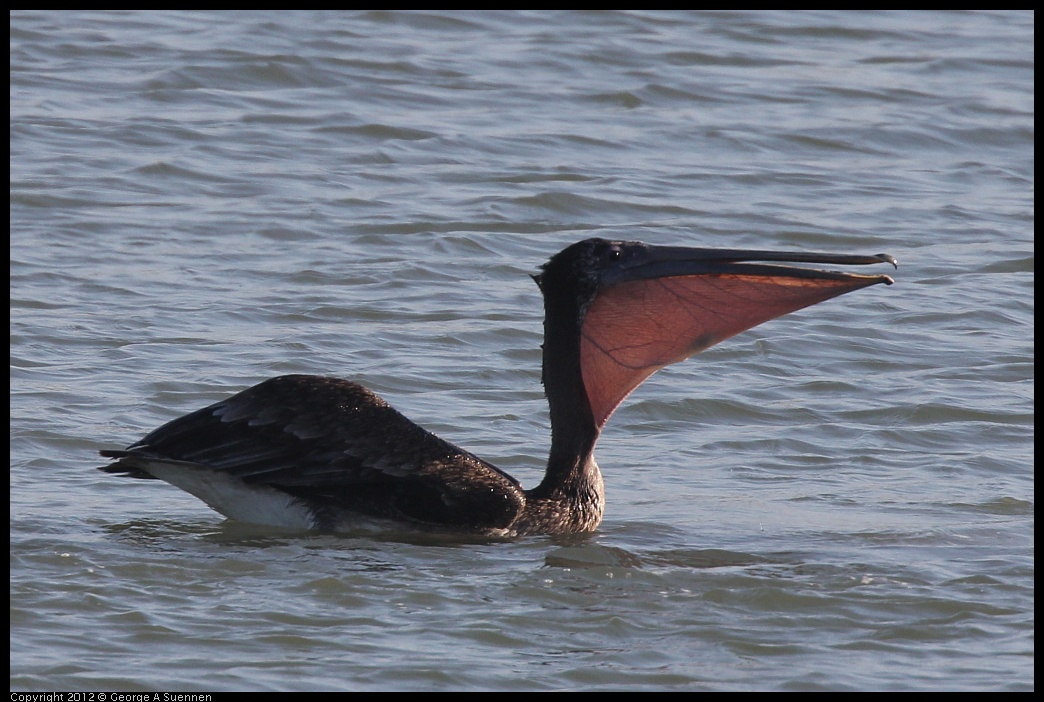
(336, 447)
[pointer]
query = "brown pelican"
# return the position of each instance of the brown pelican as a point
(312, 452)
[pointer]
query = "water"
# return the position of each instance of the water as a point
(842, 499)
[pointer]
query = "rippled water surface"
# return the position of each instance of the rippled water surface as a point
(839, 499)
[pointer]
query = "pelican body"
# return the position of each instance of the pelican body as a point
(311, 452)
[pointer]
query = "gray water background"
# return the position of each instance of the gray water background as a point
(840, 499)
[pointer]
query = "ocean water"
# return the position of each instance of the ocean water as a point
(841, 499)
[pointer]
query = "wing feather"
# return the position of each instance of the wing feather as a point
(340, 448)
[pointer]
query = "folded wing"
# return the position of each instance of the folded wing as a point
(334, 447)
